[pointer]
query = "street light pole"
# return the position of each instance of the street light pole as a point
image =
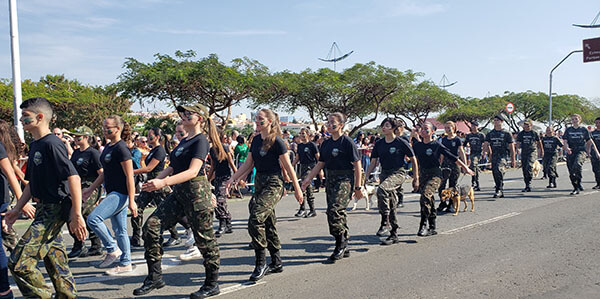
(16, 66)
(550, 92)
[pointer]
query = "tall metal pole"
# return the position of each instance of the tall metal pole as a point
(16, 66)
(550, 92)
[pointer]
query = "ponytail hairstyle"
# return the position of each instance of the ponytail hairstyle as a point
(162, 138)
(93, 142)
(125, 128)
(7, 133)
(213, 135)
(275, 129)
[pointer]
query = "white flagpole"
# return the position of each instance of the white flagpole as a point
(16, 65)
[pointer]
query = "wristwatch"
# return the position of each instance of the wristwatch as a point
(357, 188)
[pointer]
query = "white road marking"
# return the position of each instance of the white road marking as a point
(239, 286)
(470, 226)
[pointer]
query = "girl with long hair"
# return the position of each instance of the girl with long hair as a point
(308, 155)
(221, 167)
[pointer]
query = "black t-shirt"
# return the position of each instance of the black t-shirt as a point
(111, 158)
(528, 140)
(221, 167)
(4, 192)
(188, 149)
(576, 138)
(307, 153)
(596, 138)
(48, 168)
(87, 163)
(428, 154)
(452, 144)
(391, 155)
(499, 142)
(339, 154)
(551, 144)
(267, 162)
(158, 152)
(475, 142)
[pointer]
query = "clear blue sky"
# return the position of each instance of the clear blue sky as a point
(487, 46)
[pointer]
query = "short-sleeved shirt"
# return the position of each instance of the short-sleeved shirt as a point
(528, 140)
(428, 154)
(111, 158)
(391, 155)
(595, 135)
(453, 144)
(48, 169)
(307, 153)
(267, 161)
(4, 191)
(499, 141)
(339, 154)
(475, 142)
(551, 144)
(87, 163)
(158, 152)
(221, 167)
(241, 152)
(576, 138)
(188, 149)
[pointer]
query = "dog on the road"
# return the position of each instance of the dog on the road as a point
(368, 191)
(458, 194)
(537, 168)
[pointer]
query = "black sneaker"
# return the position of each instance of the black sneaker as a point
(93, 251)
(311, 214)
(76, 252)
(575, 192)
(300, 213)
(580, 187)
(392, 239)
(172, 242)
(383, 230)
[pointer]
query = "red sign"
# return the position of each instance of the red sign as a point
(510, 108)
(591, 49)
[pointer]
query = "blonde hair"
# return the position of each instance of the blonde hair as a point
(275, 128)
(452, 125)
(125, 128)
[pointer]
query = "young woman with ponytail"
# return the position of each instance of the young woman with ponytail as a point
(191, 198)
(221, 167)
(268, 154)
(118, 181)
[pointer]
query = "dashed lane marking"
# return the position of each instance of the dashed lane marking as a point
(477, 224)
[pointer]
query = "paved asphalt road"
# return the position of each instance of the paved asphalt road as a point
(542, 244)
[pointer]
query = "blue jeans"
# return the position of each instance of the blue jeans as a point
(114, 206)
(4, 284)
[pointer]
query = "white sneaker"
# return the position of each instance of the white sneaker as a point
(190, 239)
(191, 253)
(110, 258)
(119, 270)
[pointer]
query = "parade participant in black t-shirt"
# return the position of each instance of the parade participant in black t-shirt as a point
(551, 145)
(528, 140)
(391, 152)
(400, 133)
(221, 168)
(475, 141)
(595, 159)
(119, 183)
(577, 142)
(52, 178)
(153, 165)
(308, 155)
(450, 171)
(497, 144)
(86, 160)
(428, 154)
(341, 161)
(191, 198)
(268, 154)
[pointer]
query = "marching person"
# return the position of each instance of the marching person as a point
(428, 154)
(221, 167)
(596, 159)
(528, 140)
(308, 155)
(191, 198)
(86, 160)
(498, 143)
(551, 145)
(391, 152)
(341, 160)
(475, 141)
(577, 139)
(450, 170)
(50, 174)
(268, 153)
(119, 184)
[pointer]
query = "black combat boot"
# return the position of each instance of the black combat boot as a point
(153, 281)
(95, 250)
(261, 265)
(78, 247)
(476, 188)
(423, 232)
(210, 287)
(276, 265)
(221, 228)
(553, 182)
(392, 239)
(300, 213)
(311, 207)
(549, 183)
(228, 226)
(527, 187)
(385, 226)
(340, 251)
(432, 231)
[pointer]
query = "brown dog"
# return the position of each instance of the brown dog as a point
(458, 193)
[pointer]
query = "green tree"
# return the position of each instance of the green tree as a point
(474, 109)
(165, 124)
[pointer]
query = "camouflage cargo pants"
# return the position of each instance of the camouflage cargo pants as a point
(268, 190)
(309, 196)
(43, 240)
(191, 199)
(429, 180)
(221, 211)
(498, 169)
(475, 158)
(527, 160)
(387, 195)
(450, 175)
(596, 168)
(575, 164)
(338, 191)
(142, 201)
(549, 162)
(86, 208)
